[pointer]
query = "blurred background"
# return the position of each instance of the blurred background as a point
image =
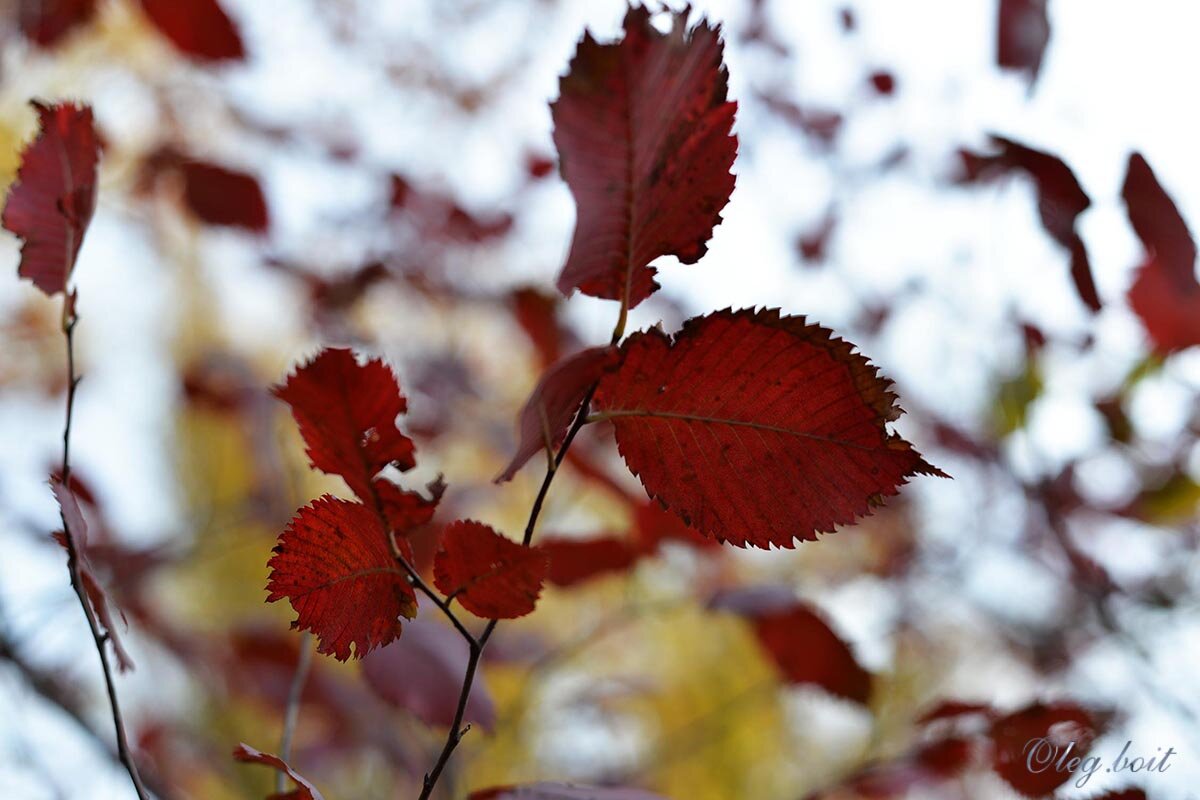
(381, 175)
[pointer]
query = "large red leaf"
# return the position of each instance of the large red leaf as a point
(1023, 31)
(55, 195)
(548, 412)
(643, 135)
(45, 22)
(490, 575)
(756, 428)
(561, 791)
(347, 414)
(198, 28)
(1060, 201)
(1029, 743)
(221, 196)
(422, 673)
(334, 564)
(1165, 293)
(304, 789)
(802, 645)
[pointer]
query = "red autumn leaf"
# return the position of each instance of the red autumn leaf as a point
(574, 561)
(54, 197)
(802, 645)
(537, 314)
(347, 413)
(643, 132)
(547, 414)
(490, 575)
(334, 564)
(756, 428)
(1060, 201)
(1023, 31)
(304, 789)
(221, 196)
(198, 28)
(929, 766)
(1122, 794)
(653, 526)
(883, 82)
(422, 673)
(1029, 742)
(405, 510)
(75, 537)
(1165, 294)
(45, 22)
(561, 791)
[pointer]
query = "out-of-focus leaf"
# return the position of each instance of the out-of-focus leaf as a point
(221, 196)
(1023, 31)
(575, 561)
(47, 22)
(304, 789)
(422, 673)
(199, 29)
(1051, 729)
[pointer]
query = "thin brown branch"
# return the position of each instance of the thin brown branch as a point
(98, 636)
(291, 713)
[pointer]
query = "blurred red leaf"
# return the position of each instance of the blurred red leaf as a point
(930, 765)
(561, 791)
(1037, 736)
(437, 216)
(883, 82)
(952, 709)
(799, 641)
(54, 197)
(304, 789)
(643, 131)
(756, 428)
(75, 539)
(490, 575)
(1060, 201)
(347, 413)
(422, 673)
(198, 28)
(537, 314)
(574, 561)
(653, 525)
(45, 22)
(814, 243)
(1023, 31)
(405, 510)
(221, 196)
(1122, 794)
(547, 414)
(335, 566)
(1165, 294)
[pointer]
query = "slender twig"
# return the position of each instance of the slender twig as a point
(553, 462)
(415, 579)
(98, 637)
(291, 713)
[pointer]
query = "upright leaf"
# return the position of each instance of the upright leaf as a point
(490, 575)
(52, 202)
(1022, 33)
(1060, 201)
(643, 134)
(1165, 294)
(334, 564)
(756, 428)
(548, 412)
(347, 414)
(198, 28)
(1028, 741)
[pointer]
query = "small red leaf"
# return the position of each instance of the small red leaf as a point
(491, 576)
(756, 428)
(883, 82)
(405, 510)
(422, 673)
(198, 28)
(304, 788)
(1060, 201)
(221, 196)
(1029, 742)
(347, 414)
(335, 566)
(1023, 31)
(574, 561)
(799, 641)
(643, 131)
(561, 791)
(45, 22)
(1165, 293)
(77, 533)
(547, 414)
(54, 197)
